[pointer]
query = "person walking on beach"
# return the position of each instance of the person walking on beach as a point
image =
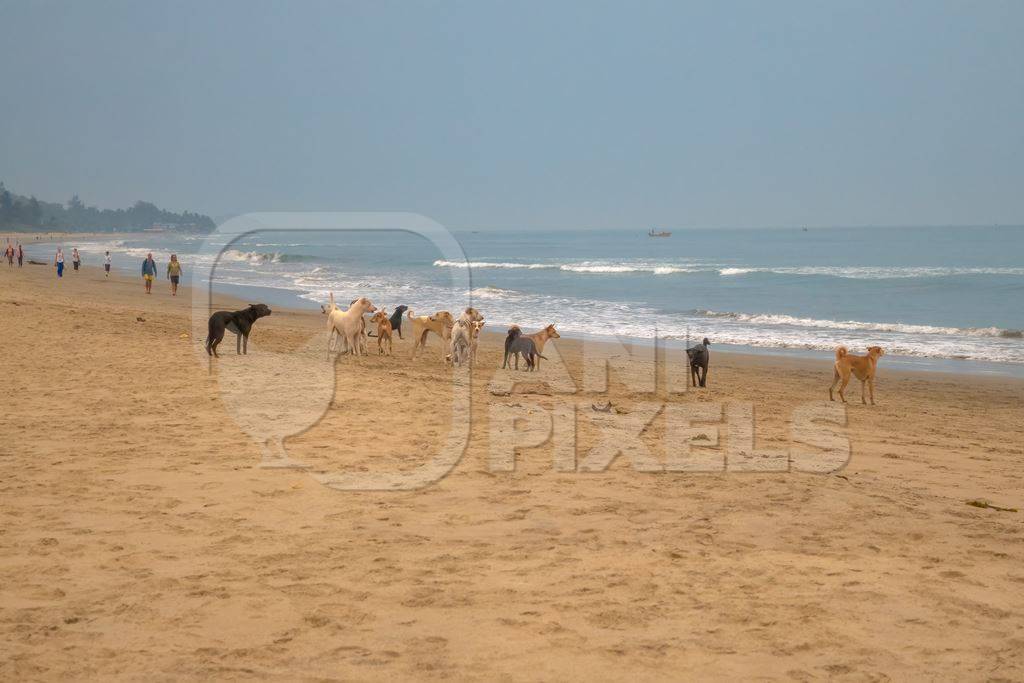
(106, 264)
(149, 272)
(9, 253)
(76, 260)
(21, 255)
(174, 273)
(58, 261)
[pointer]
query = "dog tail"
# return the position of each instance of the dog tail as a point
(408, 312)
(840, 352)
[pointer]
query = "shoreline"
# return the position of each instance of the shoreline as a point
(50, 236)
(293, 300)
(810, 360)
(925, 364)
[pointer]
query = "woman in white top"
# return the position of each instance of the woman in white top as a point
(58, 261)
(106, 263)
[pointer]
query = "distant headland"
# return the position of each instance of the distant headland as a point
(18, 212)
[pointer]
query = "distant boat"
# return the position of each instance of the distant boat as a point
(662, 233)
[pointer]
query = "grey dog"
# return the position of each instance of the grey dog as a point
(699, 357)
(526, 346)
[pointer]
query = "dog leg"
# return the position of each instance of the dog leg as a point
(416, 342)
(842, 388)
(245, 345)
(835, 381)
(704, 377)
(871, 389)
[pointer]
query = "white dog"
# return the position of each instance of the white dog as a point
(347, 325)
(465, 336)
(461, 343)
(474, 340)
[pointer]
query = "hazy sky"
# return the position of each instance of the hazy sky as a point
(524, 114)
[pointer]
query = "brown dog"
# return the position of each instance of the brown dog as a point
(863, 367)
(383, 330)
(440, 324)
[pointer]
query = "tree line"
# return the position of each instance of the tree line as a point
(28, 213)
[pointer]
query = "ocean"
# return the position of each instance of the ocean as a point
(941, 298)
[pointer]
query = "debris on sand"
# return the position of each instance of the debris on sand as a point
(985, 504)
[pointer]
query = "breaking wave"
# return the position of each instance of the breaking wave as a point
(259, 258)
(596, 267)
(657, 268)
(901, 328)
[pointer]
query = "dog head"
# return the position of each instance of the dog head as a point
(363, 304)
(380, 316)
(473, 315)
(259, 311)
(875, 352)
(514, 331)
(552, 332)
(477, 326)
(706, 342)
(444, 317)
(399, 310)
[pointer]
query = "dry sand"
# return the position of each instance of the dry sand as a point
(141, 538)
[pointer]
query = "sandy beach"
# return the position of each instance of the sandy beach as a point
(141, 538)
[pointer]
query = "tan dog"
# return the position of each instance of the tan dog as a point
(539, 339)
(348, 325)
(383, 330)
(863, 367)
(440, 324)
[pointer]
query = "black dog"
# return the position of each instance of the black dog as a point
(699, 357)
(239, 322)
(526, 346)
(396, 321)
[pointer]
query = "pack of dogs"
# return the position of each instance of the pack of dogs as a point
(460, 336)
